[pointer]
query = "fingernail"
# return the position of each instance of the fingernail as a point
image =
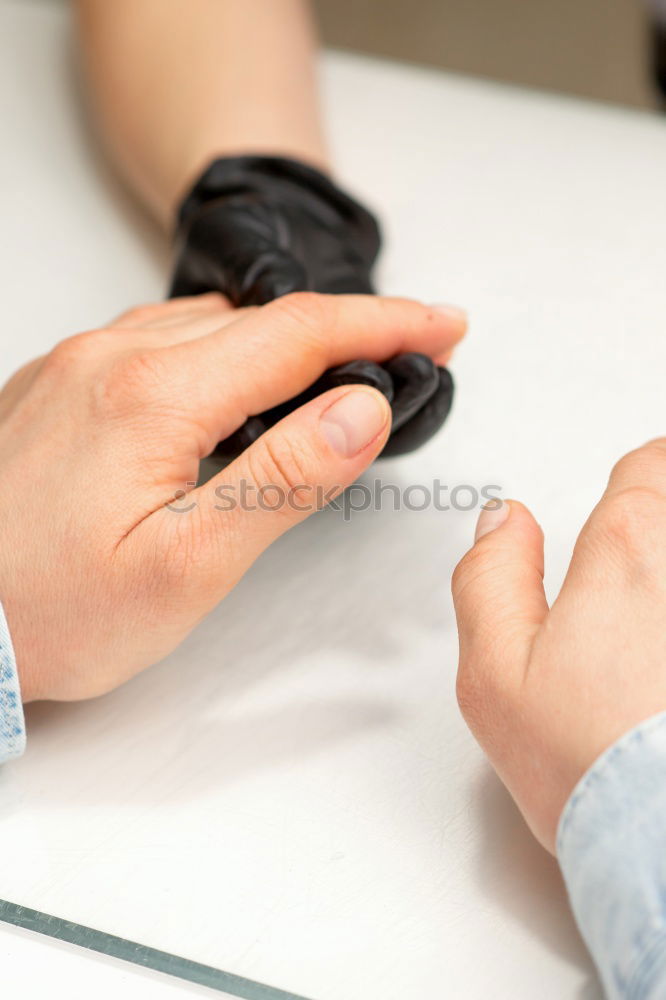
(454, 313)
(354, 421)
(491, 518)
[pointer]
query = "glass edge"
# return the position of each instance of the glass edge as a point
(139, 954)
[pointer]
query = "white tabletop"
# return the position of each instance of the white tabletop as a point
(292, 796)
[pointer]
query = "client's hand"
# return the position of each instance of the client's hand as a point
(258, 227)
(105, 565)
(547, 691)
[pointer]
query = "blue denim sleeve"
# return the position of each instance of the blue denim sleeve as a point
(612, 850)
(12, 724)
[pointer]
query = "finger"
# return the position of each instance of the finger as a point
(644, 469)
(290, 472)
(163, 314)
(415, 380)
(354, 373)
(499, 599)
(426, 422)
(279, 351)
(460, 320)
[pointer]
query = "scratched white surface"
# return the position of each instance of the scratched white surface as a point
(292, 796)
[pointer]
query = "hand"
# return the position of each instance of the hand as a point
(100, 575)
(256, 228)
(547, 691)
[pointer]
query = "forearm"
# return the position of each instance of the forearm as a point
(179, 82)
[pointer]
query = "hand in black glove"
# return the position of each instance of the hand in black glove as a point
(256, 228)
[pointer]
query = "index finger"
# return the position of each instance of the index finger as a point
(278, 351)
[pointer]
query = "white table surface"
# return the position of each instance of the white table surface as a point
(292, 796)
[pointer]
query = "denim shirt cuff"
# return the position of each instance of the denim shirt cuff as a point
(12, 723)
(610, 845)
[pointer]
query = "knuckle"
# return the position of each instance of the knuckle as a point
(628, 518)
(133, 379)
(634, 464)
(141, 368)
(78, 351)
(307, 313)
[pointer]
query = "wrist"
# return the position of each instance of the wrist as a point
(313, 156)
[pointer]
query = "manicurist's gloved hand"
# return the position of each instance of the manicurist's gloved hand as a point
(546, 691)
(256, 228)
(104, 565)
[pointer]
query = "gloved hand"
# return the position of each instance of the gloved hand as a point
(256, 228)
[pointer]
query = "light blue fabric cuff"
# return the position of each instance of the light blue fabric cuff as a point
(12, 723)
(612, 850)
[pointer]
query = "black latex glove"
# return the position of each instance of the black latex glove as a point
(256, 228)
(658, 56)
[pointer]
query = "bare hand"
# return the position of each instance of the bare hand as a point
(100, 576)
(547, 691)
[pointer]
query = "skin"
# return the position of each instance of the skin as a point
(177, 84)
(99, 576)
(547, 690)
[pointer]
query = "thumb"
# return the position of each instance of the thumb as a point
(499, 600)
(291, 471)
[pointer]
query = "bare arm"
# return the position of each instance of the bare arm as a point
(179, 82)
